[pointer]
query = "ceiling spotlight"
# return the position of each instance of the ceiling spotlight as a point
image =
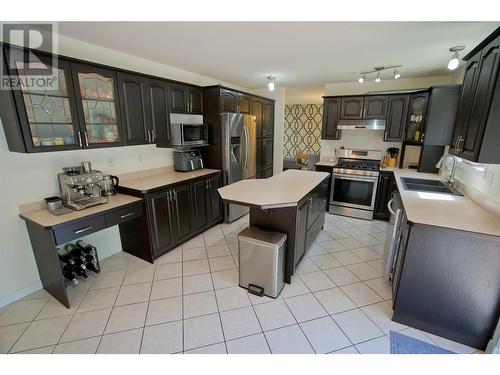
(377, 79)
(270, 83)
(361, 79)
(396, 74)
(454, 61)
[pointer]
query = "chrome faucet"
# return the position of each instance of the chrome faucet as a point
(451, 178)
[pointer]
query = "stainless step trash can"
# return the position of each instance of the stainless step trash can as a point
(262, 261)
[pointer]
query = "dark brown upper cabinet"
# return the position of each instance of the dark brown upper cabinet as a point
(38, 119)
(244, 103)
(268, 119)
(331, 116)
(466, 100)
(477, 136)
(258, 113)
(185, 99)
(232, 101)
(416, 117)
(195, 95)
(96, 92)
(395, 124)
(352, 108)
(133, 109)
(375, 107)
(157, 113)
(228, 101)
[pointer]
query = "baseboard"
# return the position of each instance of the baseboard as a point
(18, 294)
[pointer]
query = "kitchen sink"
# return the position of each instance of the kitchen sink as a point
(433, 186)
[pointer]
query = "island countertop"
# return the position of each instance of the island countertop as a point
(444, 210)
(285, 189)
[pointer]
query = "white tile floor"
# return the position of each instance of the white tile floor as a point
(189, 302)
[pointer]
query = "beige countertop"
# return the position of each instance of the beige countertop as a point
(163, 178)
(285, 189)
(444, 210)
(44, 218)
(327, 162)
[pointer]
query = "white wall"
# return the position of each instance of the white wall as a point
(30, 177)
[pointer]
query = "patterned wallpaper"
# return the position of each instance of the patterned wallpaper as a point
(302, 129)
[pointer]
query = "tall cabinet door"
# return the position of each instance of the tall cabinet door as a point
(133, 110)
(396, 118)
(97, 100)
(466, 100)
(244, 104)
(331, 116)
(258, 112)
(215, 202)
(268, 119)
(157, 112)
(200, 205)
(161, 228)
(182, 211)
(486, 80)
(47, 115)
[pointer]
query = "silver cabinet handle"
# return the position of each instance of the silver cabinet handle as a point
(126, 215)
(389, 207)
(86, 139)
(148, 136)
(169, 195)
(201, 163)
(153, 136)
(80, 139)
(385, 135)
(206, 184)
(83, 229)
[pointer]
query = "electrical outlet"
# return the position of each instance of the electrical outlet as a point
(111, 163)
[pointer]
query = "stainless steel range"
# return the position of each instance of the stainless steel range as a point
(354, 183)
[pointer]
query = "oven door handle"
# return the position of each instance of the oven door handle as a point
(356, 178)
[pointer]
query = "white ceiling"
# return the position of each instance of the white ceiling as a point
(297, 53)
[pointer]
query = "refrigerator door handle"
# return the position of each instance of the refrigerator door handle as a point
(247, 146)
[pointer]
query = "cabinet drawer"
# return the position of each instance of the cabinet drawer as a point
(122, 215)
(79, 229)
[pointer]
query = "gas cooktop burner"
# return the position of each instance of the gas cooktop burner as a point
(375, 166)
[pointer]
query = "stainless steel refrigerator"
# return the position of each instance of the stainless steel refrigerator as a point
(238, 155)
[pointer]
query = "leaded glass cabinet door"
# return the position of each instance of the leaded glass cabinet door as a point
(47, 113)
(97, 100)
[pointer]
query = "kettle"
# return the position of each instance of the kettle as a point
(108, 184)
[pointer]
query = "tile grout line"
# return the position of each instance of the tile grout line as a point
(147, 307)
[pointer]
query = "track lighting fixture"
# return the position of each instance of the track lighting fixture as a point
(270, 83)
(378, 70)
(454, 61)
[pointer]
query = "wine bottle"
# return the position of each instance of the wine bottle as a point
(81, 272)
(70, 276)
(64, 256)
(92, 266)
(85, 247)
(89, 258)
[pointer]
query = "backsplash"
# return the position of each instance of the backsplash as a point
(302, 129)
(357, 139)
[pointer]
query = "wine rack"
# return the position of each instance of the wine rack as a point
(77, 260)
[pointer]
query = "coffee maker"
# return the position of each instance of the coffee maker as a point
(79, 188)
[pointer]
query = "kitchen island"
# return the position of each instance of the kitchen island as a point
(292, 202)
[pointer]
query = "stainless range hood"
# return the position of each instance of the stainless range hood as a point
(375, 124)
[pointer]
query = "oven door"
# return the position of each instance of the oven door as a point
(194, 135)
(353, 191)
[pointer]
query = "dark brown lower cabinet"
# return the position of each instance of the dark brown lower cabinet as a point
(160, 222)
(181, 208)
(386, 186)
(179, 212)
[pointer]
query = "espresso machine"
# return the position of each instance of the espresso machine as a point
(79, 188)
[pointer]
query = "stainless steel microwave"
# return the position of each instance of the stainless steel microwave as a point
(185, 135)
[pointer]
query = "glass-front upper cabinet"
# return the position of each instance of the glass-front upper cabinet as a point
(96, 92)
(416, 117)
(45, 101)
